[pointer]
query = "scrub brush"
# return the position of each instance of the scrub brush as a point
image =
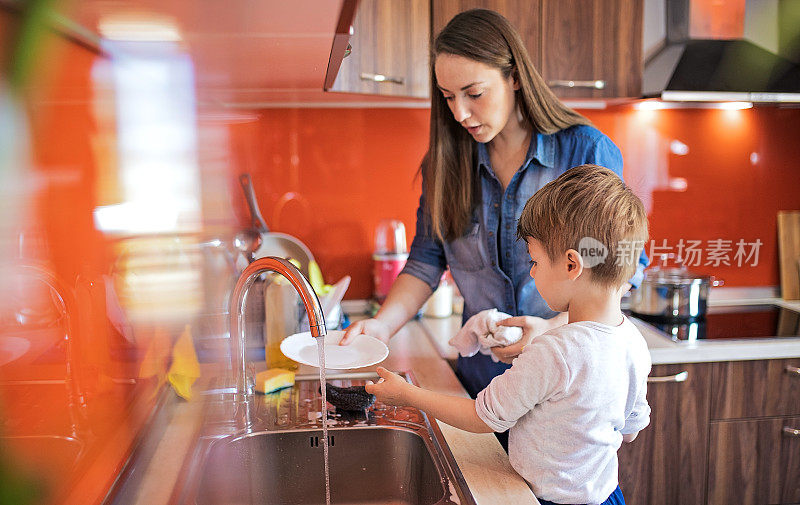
(353, 398)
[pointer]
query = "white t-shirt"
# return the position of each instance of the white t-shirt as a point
(568, 399)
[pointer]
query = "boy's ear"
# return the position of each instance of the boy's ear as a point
(574, 264)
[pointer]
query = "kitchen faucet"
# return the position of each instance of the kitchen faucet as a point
(245, 381)
(68, 310)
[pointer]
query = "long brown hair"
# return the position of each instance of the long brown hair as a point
(451, 184)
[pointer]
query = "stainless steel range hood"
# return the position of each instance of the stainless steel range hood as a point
(716, 69)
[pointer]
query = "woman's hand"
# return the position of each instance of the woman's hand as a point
(390, 389)
(531, 328)
(372, 327)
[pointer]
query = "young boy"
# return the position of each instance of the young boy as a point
(574, 393)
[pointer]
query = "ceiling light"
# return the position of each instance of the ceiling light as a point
(735, 105)
(650, 105)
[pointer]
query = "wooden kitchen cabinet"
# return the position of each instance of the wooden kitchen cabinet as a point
(754, 462)
(586, 42)
(754, 452)
(525, 15)
(389, 50)
(666, 464)
(573, 43)
(745, 389)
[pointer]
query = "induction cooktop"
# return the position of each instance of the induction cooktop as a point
(734, 322)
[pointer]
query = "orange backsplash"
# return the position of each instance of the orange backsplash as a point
(328, 176)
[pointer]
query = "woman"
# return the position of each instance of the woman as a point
(498, 134)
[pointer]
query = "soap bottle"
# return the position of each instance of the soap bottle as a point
(282, 318)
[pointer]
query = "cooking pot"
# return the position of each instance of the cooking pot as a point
(672, 295)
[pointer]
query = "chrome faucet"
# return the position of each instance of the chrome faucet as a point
(245, 381)
(68, 309)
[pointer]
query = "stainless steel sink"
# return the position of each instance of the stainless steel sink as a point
(385, 455)
(367, 465)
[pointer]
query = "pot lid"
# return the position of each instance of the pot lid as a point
(678, 275)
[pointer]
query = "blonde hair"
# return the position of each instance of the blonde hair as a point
(588, 201)
(451, 182)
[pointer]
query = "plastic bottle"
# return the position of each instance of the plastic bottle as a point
(440, 304)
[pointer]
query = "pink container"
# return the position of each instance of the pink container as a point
(390, 256)
(386, 268)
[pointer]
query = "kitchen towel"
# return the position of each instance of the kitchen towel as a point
(185, 368)
(481, 332)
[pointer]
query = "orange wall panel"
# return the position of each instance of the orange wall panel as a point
(328, 176)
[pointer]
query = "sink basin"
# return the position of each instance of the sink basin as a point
(367, 465)
(383, 456)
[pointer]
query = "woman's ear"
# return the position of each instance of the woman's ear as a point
(515, 79)
(574, 264)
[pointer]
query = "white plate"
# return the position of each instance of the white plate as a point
(362, 351)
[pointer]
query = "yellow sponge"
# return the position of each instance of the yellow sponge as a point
(273, 380)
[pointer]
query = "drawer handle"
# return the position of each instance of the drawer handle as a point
(559, 83)
(793, 371)
(791, 432)
(382, 78)
(678, 377)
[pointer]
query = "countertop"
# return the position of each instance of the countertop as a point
(662, 349)
(482, 461)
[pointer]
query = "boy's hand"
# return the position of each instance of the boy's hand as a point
(389, 389)
(531, 328)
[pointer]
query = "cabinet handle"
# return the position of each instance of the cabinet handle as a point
(559, 83)
(791, 432)
(793, 371)
(678, 377)
(382, 78)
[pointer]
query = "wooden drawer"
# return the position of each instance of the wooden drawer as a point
(743, 389)
(754, 462)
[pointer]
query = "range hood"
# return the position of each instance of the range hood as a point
(717, 66)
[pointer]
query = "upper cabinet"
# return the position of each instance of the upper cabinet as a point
(582, 48)
(525, 15)
(592, 49)
(389, 50)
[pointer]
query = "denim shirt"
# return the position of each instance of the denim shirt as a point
(492, 277)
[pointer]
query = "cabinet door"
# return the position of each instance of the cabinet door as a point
(754, 461)
(585, 42)
(666, 464)
(389, 50)
(525, 15)
(756, 388)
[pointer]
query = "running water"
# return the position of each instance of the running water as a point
(324, 411)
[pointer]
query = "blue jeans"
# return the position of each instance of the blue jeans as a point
(614, 499)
